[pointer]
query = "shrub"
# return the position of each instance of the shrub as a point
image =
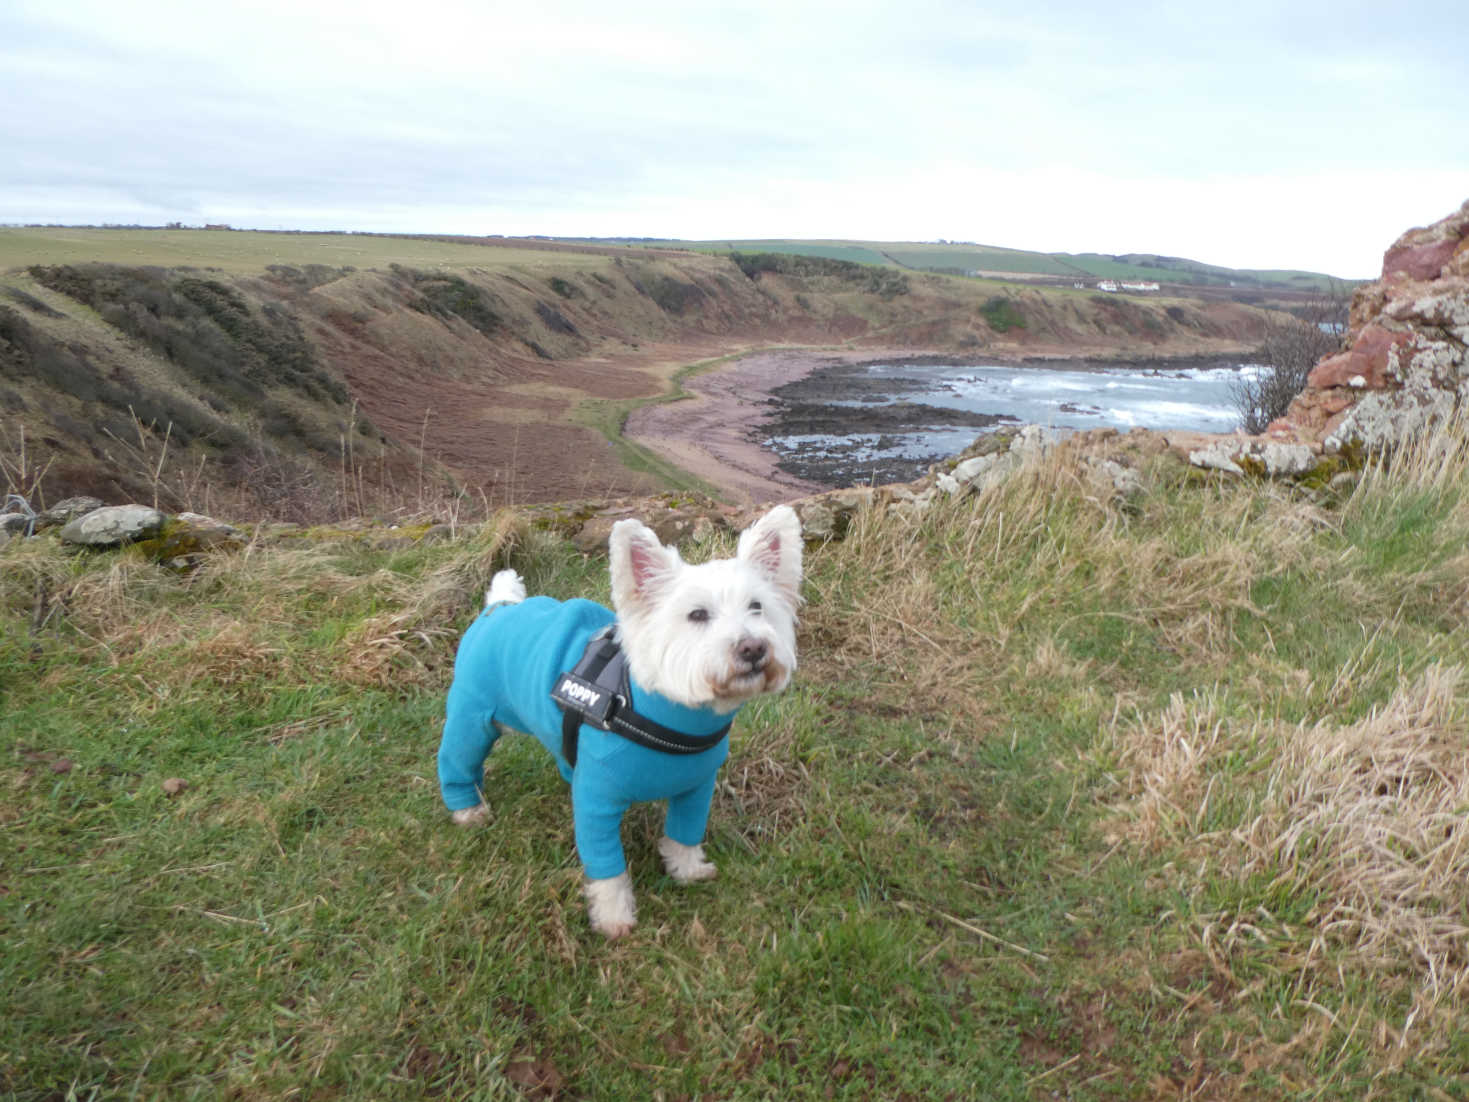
(554, 319)
(205, 327)
(1293, 345)
(673, 296)
(872, 278)
(1002, 314)
(450, 296)
(32, 303)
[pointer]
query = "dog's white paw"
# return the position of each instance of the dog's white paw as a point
(475, 816)
(610, 903)
(686, 864)
(506, 586)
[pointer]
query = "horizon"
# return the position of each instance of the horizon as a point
(1307, 137)
(640, 238)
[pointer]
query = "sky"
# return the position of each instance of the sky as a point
(1255, 134)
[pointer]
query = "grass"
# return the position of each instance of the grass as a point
(248, 252)
(1071, 798)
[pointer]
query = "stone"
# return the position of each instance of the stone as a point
(113, 525)
(1404, 367)
(1370, 357)
(593, 535)
(66, 511)
(182, 540)
(1286, 459)
(818, 521)
(1217, 457)
(15, 524)
(1269, 457)
(967, 471)
(1124, 480)
(1422, 253)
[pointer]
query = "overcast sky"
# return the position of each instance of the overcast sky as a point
(1254, 133)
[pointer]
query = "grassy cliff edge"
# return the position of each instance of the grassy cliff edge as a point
(1106, 799)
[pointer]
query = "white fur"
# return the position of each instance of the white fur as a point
(741, 642)
(611, 906)
(686, 864)
(506, 587)
(475, 816)
(748, 603)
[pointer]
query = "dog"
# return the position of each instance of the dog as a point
(694, 643)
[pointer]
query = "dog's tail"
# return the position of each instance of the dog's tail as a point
(506, 588)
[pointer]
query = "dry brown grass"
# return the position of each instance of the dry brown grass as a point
(1367, 820)
(413, 641)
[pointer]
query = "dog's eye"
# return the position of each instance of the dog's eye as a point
(756, 606)
(699, 616)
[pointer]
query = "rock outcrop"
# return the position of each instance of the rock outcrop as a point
(1404, 366)
(113, 525)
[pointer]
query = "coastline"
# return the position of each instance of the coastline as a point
(717, 432)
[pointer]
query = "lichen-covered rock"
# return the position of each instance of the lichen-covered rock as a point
(112, 525)
(66, 511)
(828, 516)
(182, 540)
(1252, 455)
(1405, 365)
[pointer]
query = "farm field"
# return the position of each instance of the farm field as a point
(996, 261)
(253, 251)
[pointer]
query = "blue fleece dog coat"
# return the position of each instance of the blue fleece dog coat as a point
(507, 664)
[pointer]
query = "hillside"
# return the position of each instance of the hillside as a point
(1188, 277)
(307, 373)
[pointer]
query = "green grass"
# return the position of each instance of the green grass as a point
(994, 842)
(250, 252)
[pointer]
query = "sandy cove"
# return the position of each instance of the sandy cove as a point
(715, 433)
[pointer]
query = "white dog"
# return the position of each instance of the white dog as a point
(643, 697)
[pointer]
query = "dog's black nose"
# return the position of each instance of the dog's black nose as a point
(751, 652)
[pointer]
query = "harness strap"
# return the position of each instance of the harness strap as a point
(598, 690)
(600, 652)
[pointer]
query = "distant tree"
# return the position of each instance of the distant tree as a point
(1294, 343)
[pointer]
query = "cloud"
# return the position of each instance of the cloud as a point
(1257, 134)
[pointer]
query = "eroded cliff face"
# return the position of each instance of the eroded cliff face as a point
(1404, 366)
(303, 388)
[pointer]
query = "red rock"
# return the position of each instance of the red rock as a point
(1422, 253)
(1424, 287)
(1418, 261)
(1368, 358)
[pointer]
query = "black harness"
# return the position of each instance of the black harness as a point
(597, 691)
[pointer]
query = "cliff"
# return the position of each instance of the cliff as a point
(1404, 364)
(309, 388)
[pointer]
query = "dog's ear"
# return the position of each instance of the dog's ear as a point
(773, 546)
(641, 566)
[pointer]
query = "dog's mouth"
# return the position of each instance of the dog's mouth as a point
(751, 679)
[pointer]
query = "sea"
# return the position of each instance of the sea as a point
(1065, 398)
